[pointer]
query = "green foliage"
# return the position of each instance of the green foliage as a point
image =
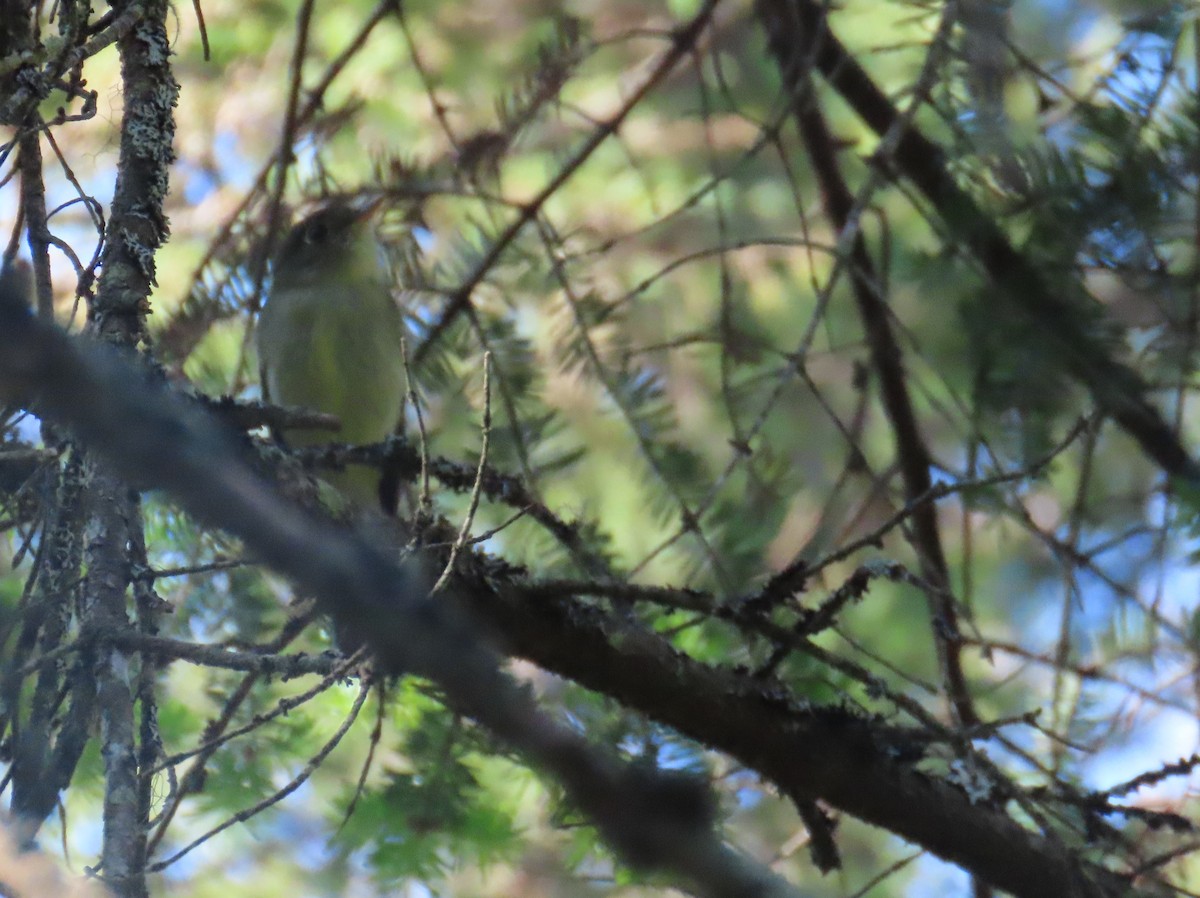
(690, 440)
(446, 807)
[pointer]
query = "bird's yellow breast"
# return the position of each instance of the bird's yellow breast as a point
(336, 350)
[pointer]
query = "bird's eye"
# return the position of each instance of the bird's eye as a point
(316, 232)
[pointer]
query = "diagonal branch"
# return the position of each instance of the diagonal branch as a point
(912, 451)
(684, 41)
(798, 31)
(155, 440)
(849, 760)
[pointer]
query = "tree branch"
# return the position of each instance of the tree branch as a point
(153, 439)
(798, 31)
(887, 359)
(852, 762)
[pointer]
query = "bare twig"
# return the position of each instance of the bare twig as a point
(299, 780)
(469, 518)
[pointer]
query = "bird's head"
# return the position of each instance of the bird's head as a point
(333, 243)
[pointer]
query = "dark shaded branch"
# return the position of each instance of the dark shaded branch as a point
(151, 438)
(849, 761)
(42, 764)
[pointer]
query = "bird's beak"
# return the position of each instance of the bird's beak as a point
(369, 208)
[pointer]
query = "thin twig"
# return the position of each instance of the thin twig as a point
(477, 489)
(685, 38)
(424, 503)
(296, 783)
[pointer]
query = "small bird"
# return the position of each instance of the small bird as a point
(329, 337)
